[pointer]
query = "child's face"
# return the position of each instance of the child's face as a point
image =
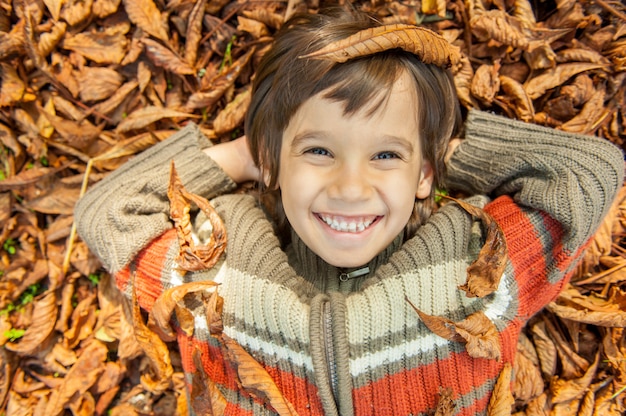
(349, 184)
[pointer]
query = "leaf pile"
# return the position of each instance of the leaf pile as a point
(87, 84)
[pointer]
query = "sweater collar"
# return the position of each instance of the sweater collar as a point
(325, 277)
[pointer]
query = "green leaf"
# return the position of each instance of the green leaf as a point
(14, 334)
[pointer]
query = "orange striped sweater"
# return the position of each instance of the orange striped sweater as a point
(357, 347)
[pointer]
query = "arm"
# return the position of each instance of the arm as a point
(124, 212)
(554, 189)
(572, 178)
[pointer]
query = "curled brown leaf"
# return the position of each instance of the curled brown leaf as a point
(254, 378)
(194, 257)
(484, 274)
(524, 108)
(477, 332)
(206, 398)
(445, 405)
(429, 46)
(170, 301)
(159, 376)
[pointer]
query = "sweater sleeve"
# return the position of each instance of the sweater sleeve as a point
(570, 177)
(124, 212)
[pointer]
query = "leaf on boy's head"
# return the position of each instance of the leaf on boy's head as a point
(430, 47)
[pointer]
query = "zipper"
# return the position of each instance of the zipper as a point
(327, 330)
(344, 277)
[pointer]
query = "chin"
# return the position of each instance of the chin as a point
(346, 264)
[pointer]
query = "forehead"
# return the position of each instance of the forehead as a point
(392, 113)
(399, 97)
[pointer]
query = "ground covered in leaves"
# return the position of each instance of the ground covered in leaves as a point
(86, 84)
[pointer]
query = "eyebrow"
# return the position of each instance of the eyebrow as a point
(306, 136)
(406, 144)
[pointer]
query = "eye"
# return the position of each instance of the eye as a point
(318, 151)
(386, 155)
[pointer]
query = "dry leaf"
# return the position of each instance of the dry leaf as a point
(158, 377)
(101, 47)
(484, 274)
(164, 57)
(144, 117)
(43, 321)
(445, 404)
(115, 101)
(7, 366)
(254, 27)
(554, 77)
(429, 46)
(499, 26)
(254, 378)
(83, 374)
(233, 114)
(219, 85)
(565, 390)
(194, 257)
(194, 32)
(523, 108)
(168, 302)
(477, 332)
(214, 307)
(75, 11)
(528, 383)
(588, 119)
(146, 15)
(486, 83)
(13, 88)
(501, 401)
(206, 399)
(97, 84)
(546, 351)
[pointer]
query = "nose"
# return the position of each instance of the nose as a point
(350, 183)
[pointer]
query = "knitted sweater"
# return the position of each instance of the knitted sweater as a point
(357, 347)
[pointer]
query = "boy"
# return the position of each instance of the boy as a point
(316, 291)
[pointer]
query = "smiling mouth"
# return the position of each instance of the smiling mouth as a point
(348, 225)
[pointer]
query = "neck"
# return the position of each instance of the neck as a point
(326, 277)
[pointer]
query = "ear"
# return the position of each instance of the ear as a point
(427, 176)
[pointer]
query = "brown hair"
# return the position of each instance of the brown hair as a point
(284, 81)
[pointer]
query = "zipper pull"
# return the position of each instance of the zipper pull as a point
(344, 277)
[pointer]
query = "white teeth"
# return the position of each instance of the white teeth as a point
(345, 226)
